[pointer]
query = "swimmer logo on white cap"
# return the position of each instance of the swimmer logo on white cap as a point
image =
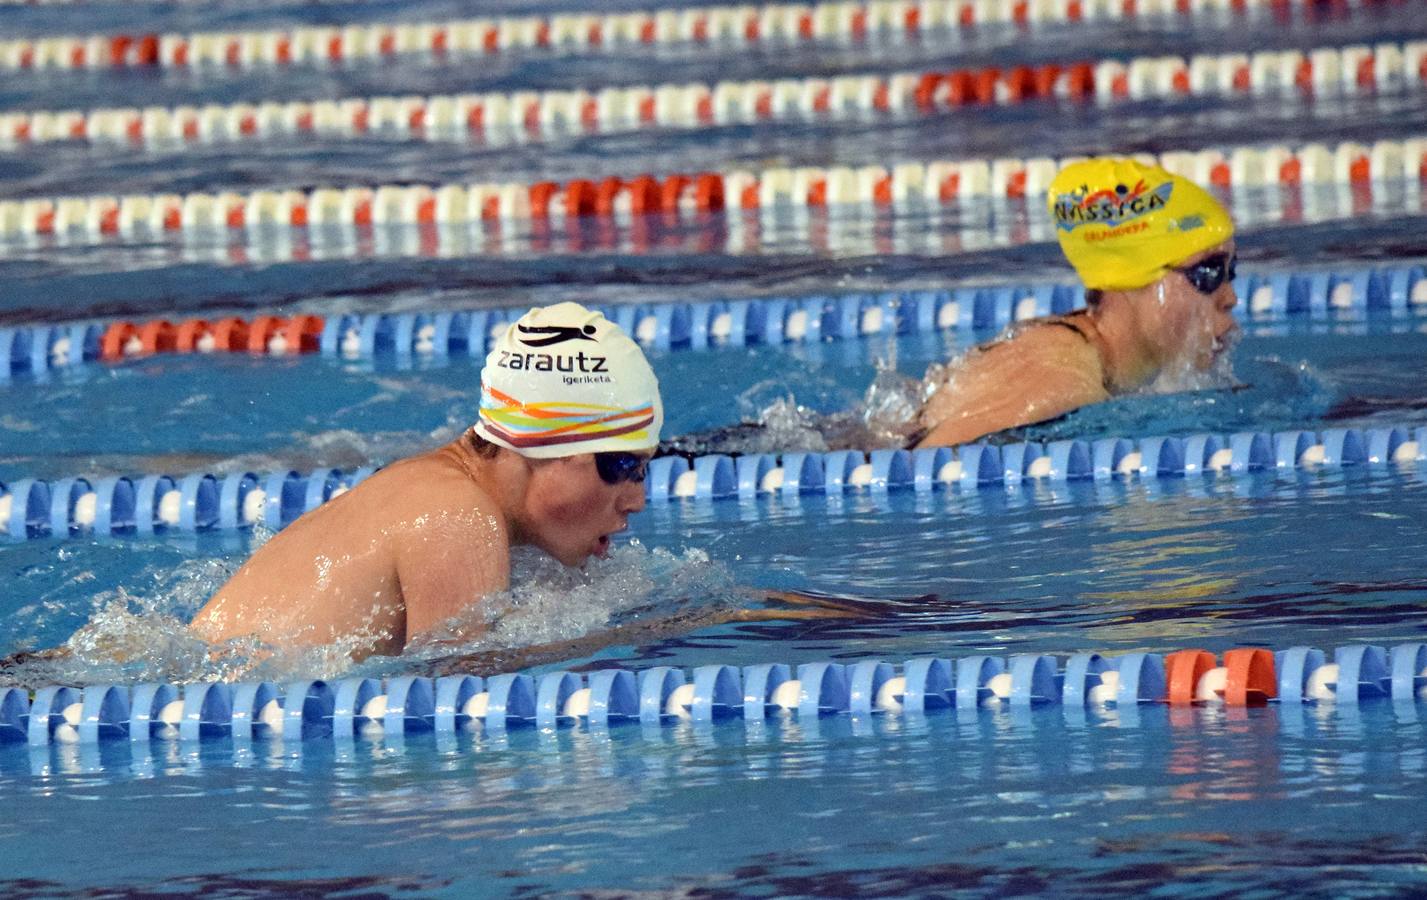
(564, 380)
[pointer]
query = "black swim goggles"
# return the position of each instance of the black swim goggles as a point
(1210, 273)
(617, 467)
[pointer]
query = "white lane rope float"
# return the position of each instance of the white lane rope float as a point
(904, 186)
(720, 29)
(523, 117)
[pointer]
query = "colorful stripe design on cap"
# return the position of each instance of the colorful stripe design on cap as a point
(525, 425)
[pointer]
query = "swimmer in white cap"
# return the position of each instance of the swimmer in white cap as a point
(569, 415)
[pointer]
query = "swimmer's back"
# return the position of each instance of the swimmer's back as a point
(1041, 370)
(362, 562)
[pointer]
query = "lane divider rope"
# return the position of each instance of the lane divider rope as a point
(673, 326)
(903, 186)
(365, 708)
(833, 232)
(201, 502)
(525, 116)
(717, 27)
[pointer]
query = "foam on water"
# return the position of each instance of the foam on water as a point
(572, 611)
(788, 414)
(1182, 373)
(780, 415)
(139, 632)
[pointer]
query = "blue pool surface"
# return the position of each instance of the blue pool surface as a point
(231, 413)
(1282, 800)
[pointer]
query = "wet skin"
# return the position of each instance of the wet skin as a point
(418, 543)
(1039, 371)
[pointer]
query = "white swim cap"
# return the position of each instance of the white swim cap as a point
(564, 380)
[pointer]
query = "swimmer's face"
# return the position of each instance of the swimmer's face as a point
(1184, 323)
(571, 512)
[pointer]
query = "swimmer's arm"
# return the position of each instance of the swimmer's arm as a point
(961, 430)
(435, 590)
(443, 574)
(491, 662)
(809, 606)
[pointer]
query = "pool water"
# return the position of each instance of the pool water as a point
(888, 809)
(1287, 799)
(1281, 800)
(234, 412)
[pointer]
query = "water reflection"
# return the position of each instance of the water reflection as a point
(1055, 788)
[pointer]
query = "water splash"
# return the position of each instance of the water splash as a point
(140, 633)
(551, 604)
(890, 407)
(1257, 393)
(1183, 373)
(778, 421)
(135, 633)
(887, 415)
(785, 423)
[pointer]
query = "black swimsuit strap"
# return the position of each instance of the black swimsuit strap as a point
(1072, 321)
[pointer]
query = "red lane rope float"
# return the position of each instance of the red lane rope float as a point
(190, 335)
(230, 334)
(718, 28)
(261, 331)
(1251, 677)
(524, 116)
(1246, 678)
(156, 337)
(302, 334)
(115, 340)
(1183, 671)
(265, 335)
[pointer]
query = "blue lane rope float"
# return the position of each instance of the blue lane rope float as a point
(670, 326)
(366, 708)
(200, 502)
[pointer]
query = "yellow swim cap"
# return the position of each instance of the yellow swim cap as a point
(1123, 224)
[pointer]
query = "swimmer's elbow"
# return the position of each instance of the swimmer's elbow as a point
(949, 433)
(1062, 400)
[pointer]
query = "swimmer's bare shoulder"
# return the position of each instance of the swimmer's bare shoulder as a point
(413, 545)
(456, 546)
(1042, 371)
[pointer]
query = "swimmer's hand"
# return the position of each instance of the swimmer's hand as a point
(809, 605)
(33, 669)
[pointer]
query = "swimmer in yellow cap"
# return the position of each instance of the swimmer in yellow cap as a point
(1156, 255)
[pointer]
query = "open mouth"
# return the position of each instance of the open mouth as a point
(1223, 342)
(602, 546)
